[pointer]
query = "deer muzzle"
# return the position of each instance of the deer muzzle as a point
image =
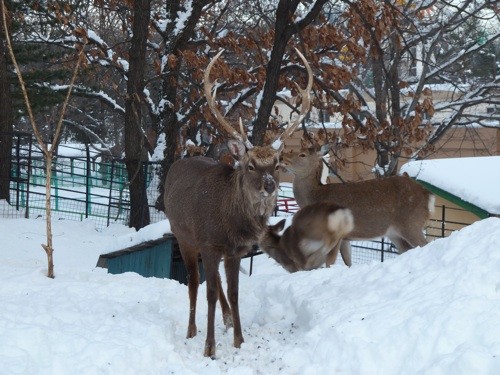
(269, 184)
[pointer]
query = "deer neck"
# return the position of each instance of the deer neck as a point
(255, 208)
(306, 184)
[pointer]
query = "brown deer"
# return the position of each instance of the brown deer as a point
(312, 240)
(396, 207)
(219, 211)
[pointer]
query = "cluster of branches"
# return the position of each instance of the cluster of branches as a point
(364, 51)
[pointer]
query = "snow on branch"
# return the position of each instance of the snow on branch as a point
(88, 93)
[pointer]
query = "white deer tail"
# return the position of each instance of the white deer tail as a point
(431, 203)
(341, 221)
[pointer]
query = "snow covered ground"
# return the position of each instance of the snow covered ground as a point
(433, 310)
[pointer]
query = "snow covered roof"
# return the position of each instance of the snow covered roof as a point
(475, 180)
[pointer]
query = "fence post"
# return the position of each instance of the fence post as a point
(18, 170)
(382, 242)
(145, 172)
(110, 188)
(28, 183)
(72, 171)
(443, 218)
(88, 209)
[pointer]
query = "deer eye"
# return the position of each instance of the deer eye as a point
(251, 167)
(302, 155)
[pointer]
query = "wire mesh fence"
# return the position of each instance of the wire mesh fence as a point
(84, 184)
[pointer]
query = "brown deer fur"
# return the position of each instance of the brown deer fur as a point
(396, 207)
(312, 240)
(219, 212)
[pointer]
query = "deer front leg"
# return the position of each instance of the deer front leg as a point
(190, 257)
(226, 311)
(211, 264)
(232, 267)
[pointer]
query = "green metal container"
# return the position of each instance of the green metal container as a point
(158, 258)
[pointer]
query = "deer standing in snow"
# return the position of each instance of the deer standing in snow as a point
(220, 211)
(312, 240)
(396, 207)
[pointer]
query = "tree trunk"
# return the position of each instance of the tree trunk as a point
(135, 148)
(285, 28)
(5, 117)
(170, 93)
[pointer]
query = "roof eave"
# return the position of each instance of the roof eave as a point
(478, 211)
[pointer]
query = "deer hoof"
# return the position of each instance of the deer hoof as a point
(209, 349)
(238, 341)
(192, 331)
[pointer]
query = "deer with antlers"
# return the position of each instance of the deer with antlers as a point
(396, 207)
(220, 211)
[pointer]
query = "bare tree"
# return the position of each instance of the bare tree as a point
(6, 112)
(48, 150)
(401, 50)
(287, 25)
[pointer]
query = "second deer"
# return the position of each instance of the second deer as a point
(312, 240)
(396, 207)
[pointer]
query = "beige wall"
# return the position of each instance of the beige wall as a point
(455, 218)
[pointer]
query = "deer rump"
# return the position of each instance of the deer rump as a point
(312, 240)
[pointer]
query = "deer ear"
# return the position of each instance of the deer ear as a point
(236, 148)
(276, 228)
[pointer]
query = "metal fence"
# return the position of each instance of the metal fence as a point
(88, 185)
(84, 184)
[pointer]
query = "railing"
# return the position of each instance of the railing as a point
(90, 186)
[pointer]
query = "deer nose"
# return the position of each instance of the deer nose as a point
(269, 184)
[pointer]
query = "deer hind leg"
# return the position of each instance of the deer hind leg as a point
(408, 240)
(226, 310)
(345, 252)
(211, 262)
(414, 238)
(190, 258)
(232, 267)
(401, 244)
(331, 257)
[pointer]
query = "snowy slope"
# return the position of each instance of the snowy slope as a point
(434, 310)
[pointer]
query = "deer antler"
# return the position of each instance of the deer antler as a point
(208, 87)
(306, 101)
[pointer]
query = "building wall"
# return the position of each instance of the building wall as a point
(458, 142)
(447, 218)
